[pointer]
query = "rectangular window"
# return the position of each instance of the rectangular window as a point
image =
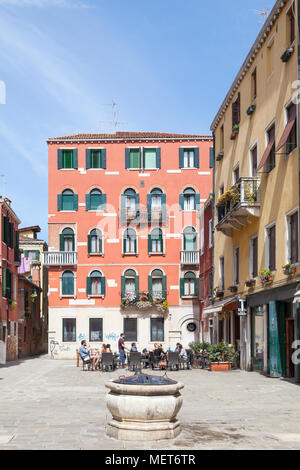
(96, 160)
(189, 158)
(157, 330)
(150, 159)
(156, 244)
(130, 329)
(96, 329)
(222, 138)
(271, 240)
(222, 280)
(271, 161)
(236, 265)
(293, 249)
(68, 159)
(253, 154)
(236, 111)
(69, 330)
(254, 257)
(236, 174)
(291, 25)
(134, 159)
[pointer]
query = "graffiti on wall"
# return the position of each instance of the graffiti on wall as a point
(111, 336)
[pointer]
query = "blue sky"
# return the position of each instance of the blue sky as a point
(167, 63)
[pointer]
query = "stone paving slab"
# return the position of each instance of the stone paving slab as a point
(48, 404)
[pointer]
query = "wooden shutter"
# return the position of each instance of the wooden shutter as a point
(181, 202)
(103, 202)
(149, 243)
(272, 248)
(150, 287)
(122, 287)
(61, 243)
(103, 159)
(294, 238)
(89, 244)
(164, 208)
(75, 159)
(103, 286)
(26, 254)
(88, 159)
(75, 202)
(196, 157)
(201, 288)
(4, 282)
(254, 257)
(87, 202)
(149, 200)
(137, 287)
(181, 287)
(59, 159)
(37, 255)
(236, 116)
(197, 201)
(164, 286)
(123, 208)
(181, 156)
(59, 202)
(158, 158)
(127, 158)
(88, 286)
(211, 157)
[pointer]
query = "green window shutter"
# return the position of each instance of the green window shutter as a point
(87, 202)
(59, 202)
(182, 287)
(196, 287)
(103, 159)
(103, 202)
(211, 157)
(88, 159)
(26, 254)
(59, 159)
(127, 158)
(75, 202)
(149, 243)
(37, 255)
(150, 286)
(161, 241)
(164, 207)
(149, 198)
(135, 245)
(197, 200)
(88, 286)
(181, 202)
(103, 286)
(75, 159)
(89, 244)
(4, 282)
(181, 162)
(164, 286)
(124, 243)
(158, 158)
(196, 157)
(61, 243)
(122, 287)
(137, 287)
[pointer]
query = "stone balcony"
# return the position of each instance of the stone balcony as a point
(243, 201)
(60, 258)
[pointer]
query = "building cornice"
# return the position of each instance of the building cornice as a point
(260, 40)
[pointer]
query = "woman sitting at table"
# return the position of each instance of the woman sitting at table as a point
(182, 352)
(108, 349)
(103, 348)
(158, 353)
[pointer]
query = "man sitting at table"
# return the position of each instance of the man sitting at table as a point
(86, 357)
(133, 347)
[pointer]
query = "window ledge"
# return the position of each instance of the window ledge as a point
(188, 168)
(95, 169)
(100, 296)
(68, 169)
(67, 211)
(156, 254)
(130, 254)
(96, 254)
(187, 297)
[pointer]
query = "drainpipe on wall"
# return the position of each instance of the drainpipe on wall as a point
(297, 299)
(213, 218)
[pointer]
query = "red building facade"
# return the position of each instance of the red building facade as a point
(124, 238)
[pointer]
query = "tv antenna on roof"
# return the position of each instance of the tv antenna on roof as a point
(115, 113)
(262, 14)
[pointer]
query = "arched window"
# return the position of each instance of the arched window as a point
(155, 241)
(188, 285)
(189, 239)
(68, 283)
(130, 241)
(130, 199)
(95, 242)
(95, 284)
(156, 199)
(189, 196)
(68, 201)
(95, 199)
(67, 240)
(130, 285)
(157, 284)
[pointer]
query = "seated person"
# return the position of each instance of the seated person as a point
(158, 353)
(103, 348)
(133, 347)
(86, 357)
(108, 348)
(177, 346)
(182, 353)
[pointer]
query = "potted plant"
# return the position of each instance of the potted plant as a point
(235, 131)
(287, 54)
(12, 303)
(220, 156)
(250, 283)
(233, 288)
(288, 269)
(197, 347)
(265, 276)
(164, 306)
(221, 356)
(251, 109)
(219, 293)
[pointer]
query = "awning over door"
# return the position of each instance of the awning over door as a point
(288, 128)
(221, 306)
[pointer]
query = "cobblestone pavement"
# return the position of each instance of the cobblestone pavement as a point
(47, 404)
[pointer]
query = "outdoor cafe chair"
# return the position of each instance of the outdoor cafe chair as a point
(173, 360)
(107, 362)
(135, 361)
(86, 363)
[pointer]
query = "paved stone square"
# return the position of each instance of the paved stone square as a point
(48, 404)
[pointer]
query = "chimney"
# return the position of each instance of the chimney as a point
(36, 272)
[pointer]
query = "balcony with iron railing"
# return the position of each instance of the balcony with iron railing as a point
(190, 258)
(60, 258)
(236, 205)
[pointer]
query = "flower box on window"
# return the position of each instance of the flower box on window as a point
(251, 109)
(233, 288)
(288, 270)
(250, 283)
(287, 54)
(220, 156)
(219, 293)
(265, 276)
(235, 131)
